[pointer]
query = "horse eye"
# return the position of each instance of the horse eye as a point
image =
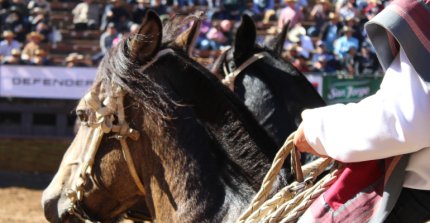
(82, 115)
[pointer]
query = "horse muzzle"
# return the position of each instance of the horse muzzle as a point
(55, 208)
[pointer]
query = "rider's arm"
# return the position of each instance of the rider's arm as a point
(395, 120)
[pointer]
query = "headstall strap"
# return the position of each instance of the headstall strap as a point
(230, 77)
(105, 115)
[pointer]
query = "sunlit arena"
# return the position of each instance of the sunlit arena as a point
(306, 111)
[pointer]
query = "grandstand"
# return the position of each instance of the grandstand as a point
(44, 111)
(86, 42)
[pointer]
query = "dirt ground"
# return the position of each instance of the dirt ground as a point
(20, 205)
(26, 168)
(20, 194)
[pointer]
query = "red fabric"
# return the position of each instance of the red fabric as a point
(359, 209)
(353, 179)
(418, 13)
(355, 195)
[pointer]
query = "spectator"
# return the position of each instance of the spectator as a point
(4, 5)
(202, 42)
(270, 15)
(226, 27)
(321, 51)
(17, 23)
(323, 65)
(290, 13)
(361, 4)
(298, 36)
(32, 46)
(45, 30)
(345, 42)
(329, 32)
(350, 61)
(260, 7)
(220, 35)
(77, 60)
(38, 15)
(106, 41)
(134, 28)
(184, 3)
(357, 27)
(86, 15)
(368, 63)
(159, 7)
(373, 7)
(8, 44)
(40, 58)
(21, 5)
(230, 10)
(301, 63)
(117, 14)
(41, 4)
(349, 10)
(138, 12)
(320, 14)
(292, 52)
(14, 58)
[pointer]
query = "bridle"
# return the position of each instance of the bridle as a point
(231, 74)
(107, 113)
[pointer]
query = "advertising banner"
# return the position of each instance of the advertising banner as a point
(73, 83)
(338, 89)
(45, 82)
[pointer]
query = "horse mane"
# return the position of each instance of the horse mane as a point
(156, 101)
(120, 69)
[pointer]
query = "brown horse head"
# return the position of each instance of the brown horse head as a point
(195, 149)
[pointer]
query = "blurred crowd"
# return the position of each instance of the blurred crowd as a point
(324, 36)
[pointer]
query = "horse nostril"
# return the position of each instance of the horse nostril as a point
(50, 210)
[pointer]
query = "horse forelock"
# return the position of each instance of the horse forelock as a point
(152, 99)
(117, 67)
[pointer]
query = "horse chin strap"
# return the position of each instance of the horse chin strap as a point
(106, 112)
(230, 77)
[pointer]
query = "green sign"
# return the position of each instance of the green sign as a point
(343, 90)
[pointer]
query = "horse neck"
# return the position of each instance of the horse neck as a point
(225, 118)
(189, 181)
(210, 163)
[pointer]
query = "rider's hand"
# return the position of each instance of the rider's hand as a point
(301, 144)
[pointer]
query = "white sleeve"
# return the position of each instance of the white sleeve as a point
(395, 120)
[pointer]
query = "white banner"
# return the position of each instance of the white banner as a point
(45, 82)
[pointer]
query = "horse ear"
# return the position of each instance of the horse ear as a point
(187, 39)
(245, 37)
(147, 40)
(277, 43)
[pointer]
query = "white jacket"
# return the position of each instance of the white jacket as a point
(395, 120)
